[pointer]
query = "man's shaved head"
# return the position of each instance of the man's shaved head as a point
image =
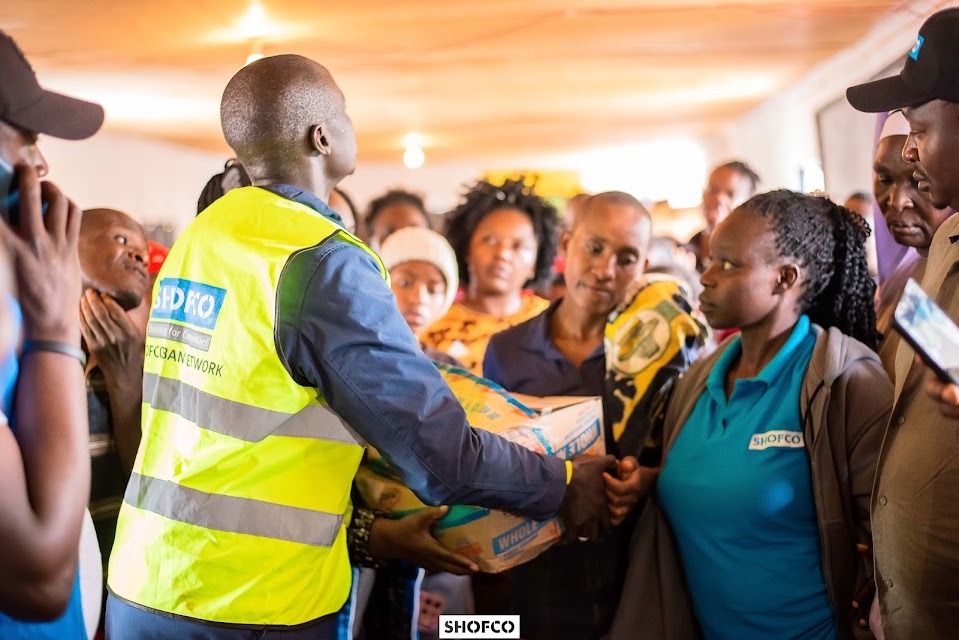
(280, 111)
(595, 205)
(573, 206)
(605, 252)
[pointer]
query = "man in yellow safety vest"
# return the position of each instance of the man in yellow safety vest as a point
(274, 352)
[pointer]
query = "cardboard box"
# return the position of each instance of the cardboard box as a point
(496, 540)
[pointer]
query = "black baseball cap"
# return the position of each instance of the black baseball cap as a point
(25, 104)
(931, 71)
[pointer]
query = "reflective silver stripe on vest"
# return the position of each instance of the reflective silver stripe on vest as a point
(228, 513)
(244, 421)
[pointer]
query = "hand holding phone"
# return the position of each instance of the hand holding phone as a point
(9, 193)
(46, 261)
(930, 332)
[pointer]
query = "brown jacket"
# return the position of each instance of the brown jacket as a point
(845, 403)
(915, 511)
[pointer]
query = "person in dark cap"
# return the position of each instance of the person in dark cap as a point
(44, 458)
(915, 514)
(274, 351)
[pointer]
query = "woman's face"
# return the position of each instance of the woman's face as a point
(502, 252)
(420, 291)
(910, 216)
(743, 284)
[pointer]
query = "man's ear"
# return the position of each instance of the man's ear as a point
(319, 144)
(788, 278)
(564, 237)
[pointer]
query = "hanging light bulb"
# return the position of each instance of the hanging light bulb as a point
(414, 157)
(257, 23)
(253, 24)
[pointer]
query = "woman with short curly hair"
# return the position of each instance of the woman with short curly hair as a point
(505, 239)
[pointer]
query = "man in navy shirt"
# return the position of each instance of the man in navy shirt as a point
(571, 592)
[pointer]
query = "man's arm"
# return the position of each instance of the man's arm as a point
(45, 470)
(338, 329)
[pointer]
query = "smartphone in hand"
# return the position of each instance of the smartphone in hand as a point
(9, 193)
(930, 332)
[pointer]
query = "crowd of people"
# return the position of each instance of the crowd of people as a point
(783, 467)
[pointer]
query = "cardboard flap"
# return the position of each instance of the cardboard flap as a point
(544, 406)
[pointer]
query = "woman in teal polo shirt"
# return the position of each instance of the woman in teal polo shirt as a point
(772, 441)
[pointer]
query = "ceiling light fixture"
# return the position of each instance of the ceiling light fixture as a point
(254, 24)
(413, 157)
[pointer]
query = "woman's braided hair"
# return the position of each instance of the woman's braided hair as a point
(827, 241)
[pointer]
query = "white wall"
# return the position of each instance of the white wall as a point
(440, 183)
(671, 168)
(154, 182)
(158, 182)
(780, 136)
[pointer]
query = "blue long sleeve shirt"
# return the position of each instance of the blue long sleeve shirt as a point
(338, 330)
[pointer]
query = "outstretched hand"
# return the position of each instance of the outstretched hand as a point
(584, 511)
(409, 538)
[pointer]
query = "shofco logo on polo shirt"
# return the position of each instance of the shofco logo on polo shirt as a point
(783, 439)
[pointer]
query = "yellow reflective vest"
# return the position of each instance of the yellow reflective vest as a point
(237, 508)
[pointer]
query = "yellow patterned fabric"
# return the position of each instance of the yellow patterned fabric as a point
(464, 333)
(650, 340)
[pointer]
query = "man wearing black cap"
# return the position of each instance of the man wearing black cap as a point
(44, 462)
(915, 510)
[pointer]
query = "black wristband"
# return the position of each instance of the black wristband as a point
(55, 346)
(358, 539)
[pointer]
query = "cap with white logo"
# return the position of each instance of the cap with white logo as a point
(931, 71)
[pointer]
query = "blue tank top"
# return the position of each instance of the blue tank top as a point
(70, 626)
(9, 367)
